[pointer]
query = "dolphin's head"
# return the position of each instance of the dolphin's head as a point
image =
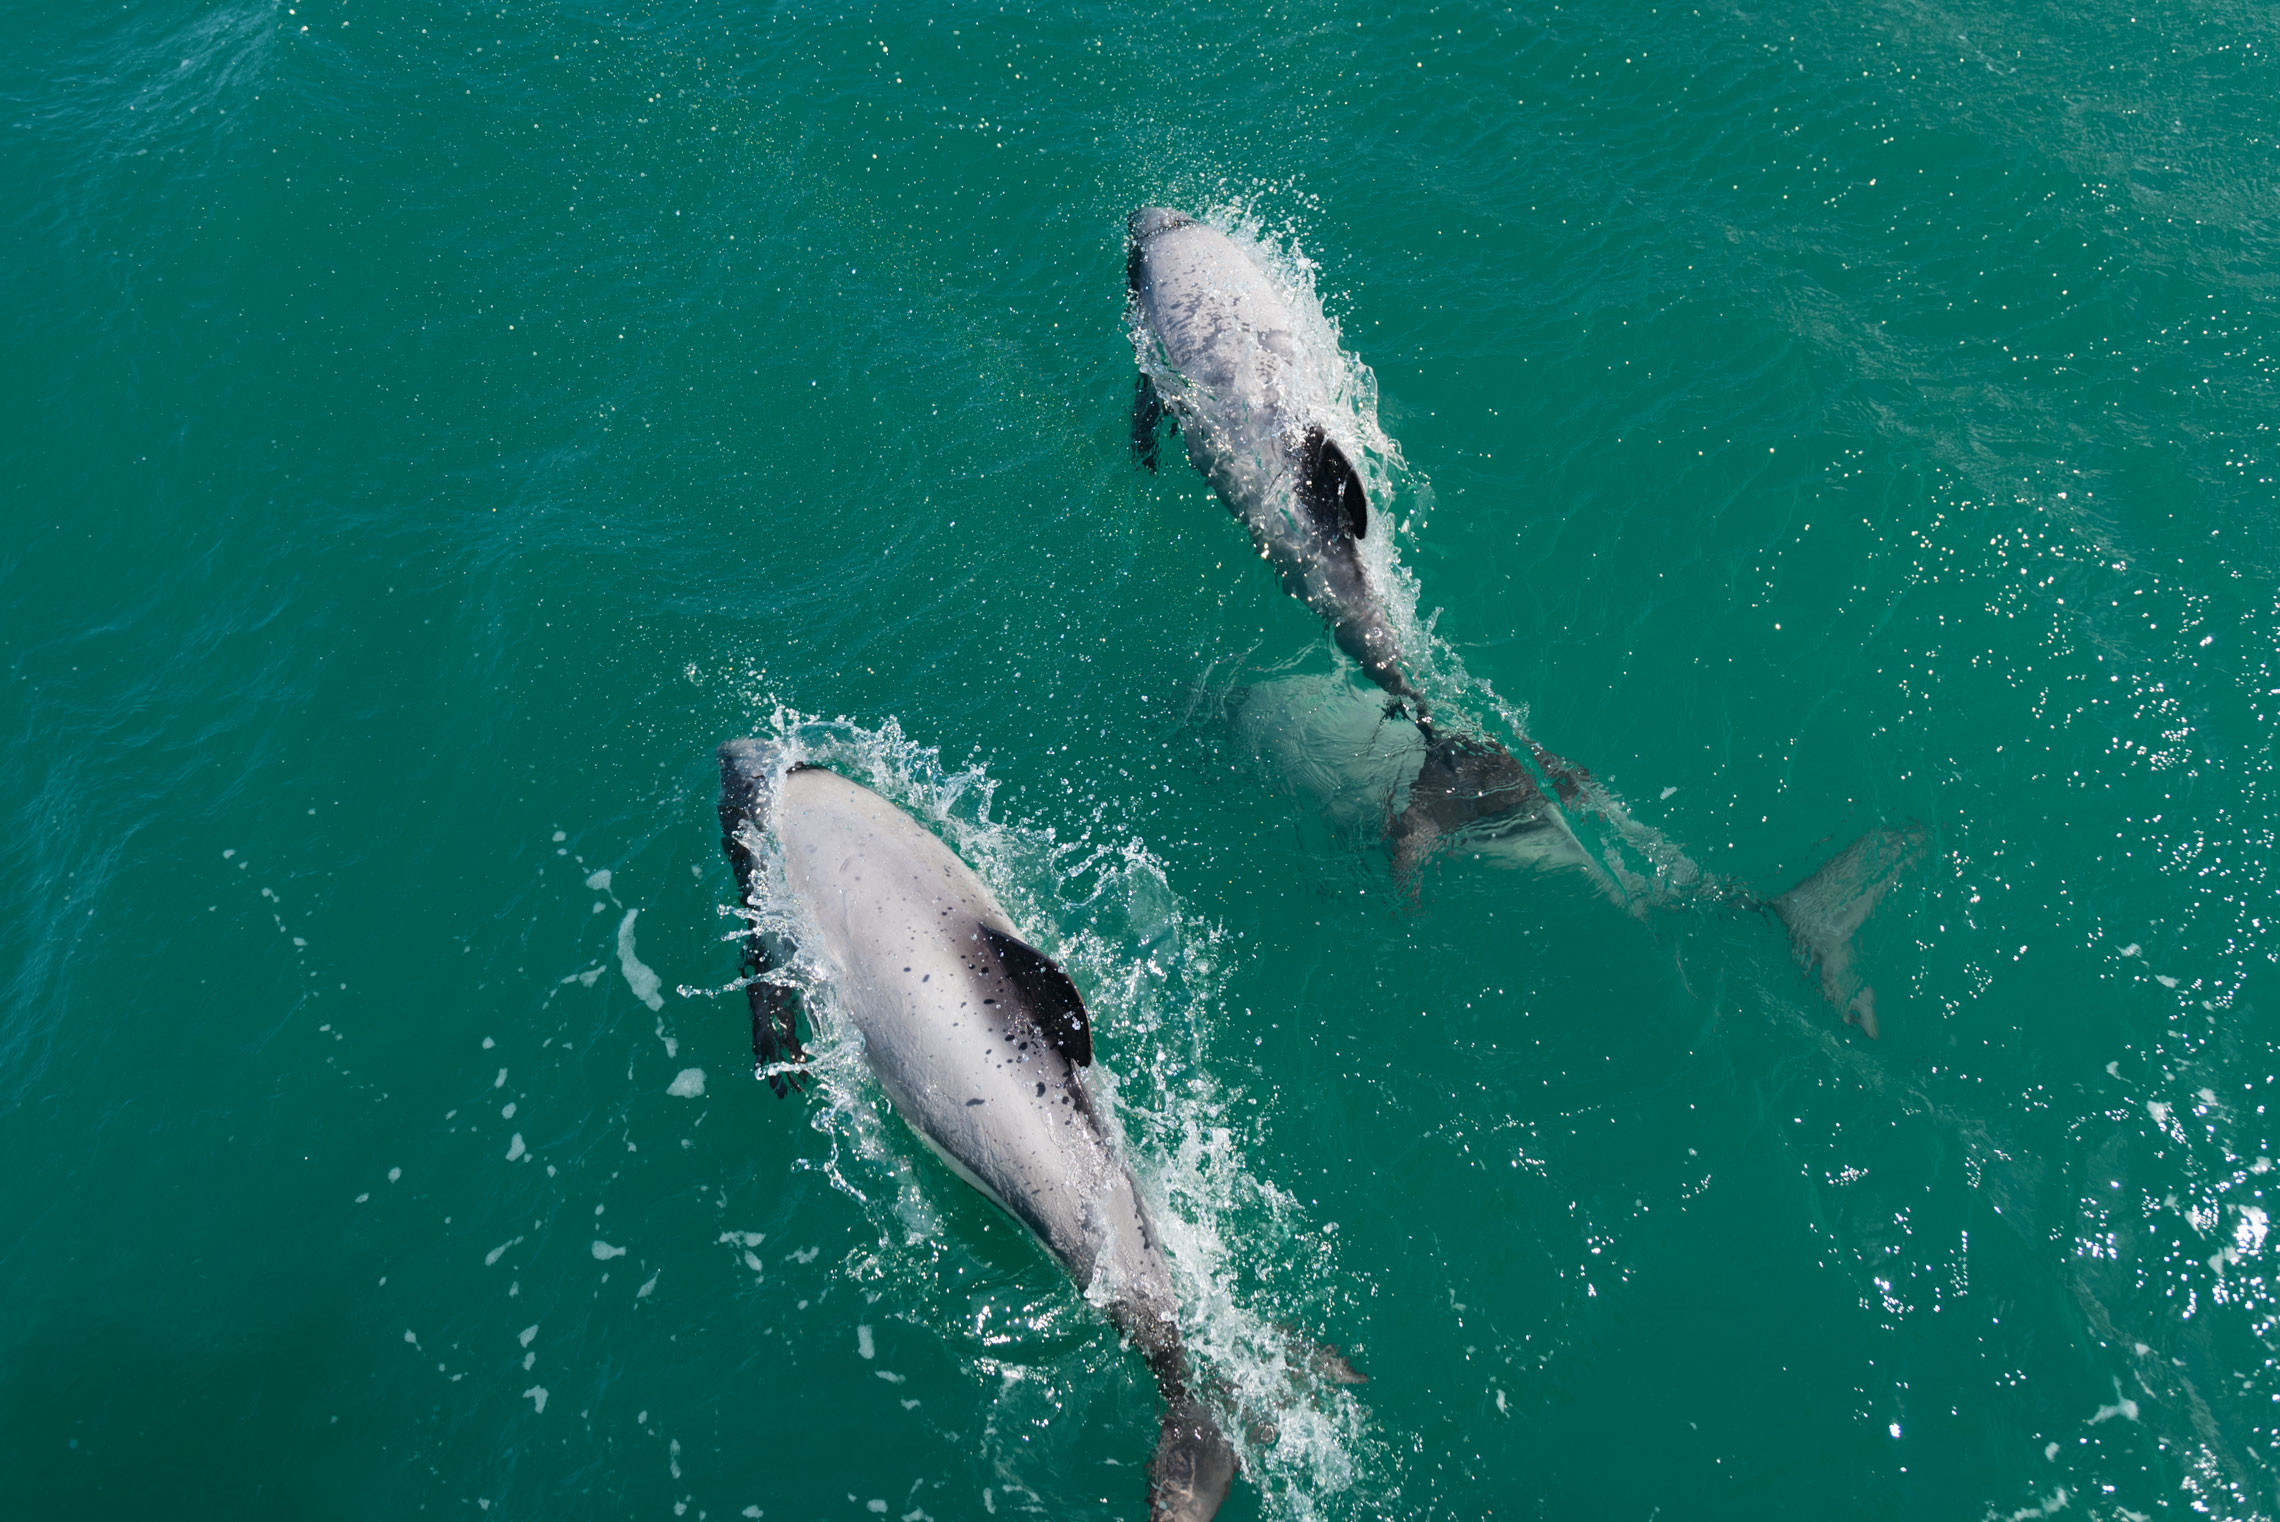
(747, 769)
(1138, 229)
(1151, 220)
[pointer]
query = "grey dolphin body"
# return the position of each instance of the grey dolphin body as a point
(1254, 427)
(979, 1041)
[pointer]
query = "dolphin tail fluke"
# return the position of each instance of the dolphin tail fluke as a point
(1194, 1466)
(1147, 419)
(1824, 913)
(1465, 780)
(745, 769)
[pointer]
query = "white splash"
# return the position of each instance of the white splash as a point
(689, 1083)
(639, 976)
(2250, 1229)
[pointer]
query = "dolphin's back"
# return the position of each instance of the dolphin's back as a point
(954, 1039)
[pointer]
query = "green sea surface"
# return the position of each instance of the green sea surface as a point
(428, 430)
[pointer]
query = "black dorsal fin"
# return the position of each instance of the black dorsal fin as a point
(1053, 1000)
(1330, 491)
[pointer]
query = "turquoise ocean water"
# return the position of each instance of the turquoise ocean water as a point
(430, 429)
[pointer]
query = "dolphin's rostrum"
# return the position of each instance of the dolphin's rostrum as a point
(980, 1042)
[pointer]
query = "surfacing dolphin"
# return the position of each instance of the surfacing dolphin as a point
(980, 1042)
(1218, 349)
(1260, 428)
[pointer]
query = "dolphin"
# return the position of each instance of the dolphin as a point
(980, 1041)
(1219, 353)
(1255, 425)
(1217, 347)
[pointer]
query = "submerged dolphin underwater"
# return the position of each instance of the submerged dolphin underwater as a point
(1217, 342)
(980, 1042)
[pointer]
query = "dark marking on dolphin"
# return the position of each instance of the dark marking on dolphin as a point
(1054, 1002)
(1329, 489)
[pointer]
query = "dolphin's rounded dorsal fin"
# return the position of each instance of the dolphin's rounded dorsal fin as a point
(1330, 491)
(1052, 999)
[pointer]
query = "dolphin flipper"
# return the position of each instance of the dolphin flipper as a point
(775, 1033)
(1318, 1361)
(1147, 416)
(1824, 913)
(745, 766)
